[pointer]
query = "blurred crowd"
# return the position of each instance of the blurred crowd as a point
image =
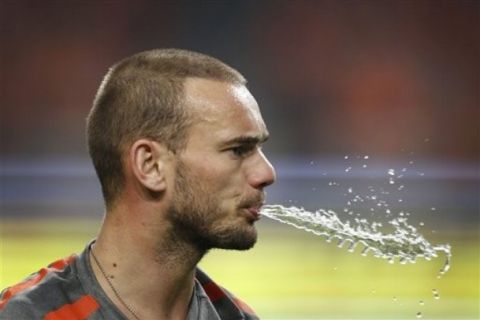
(332, 77)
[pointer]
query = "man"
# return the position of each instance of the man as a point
(175, 138)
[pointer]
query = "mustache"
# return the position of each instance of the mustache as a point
(257, 200)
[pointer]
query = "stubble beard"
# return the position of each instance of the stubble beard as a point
(198, 220)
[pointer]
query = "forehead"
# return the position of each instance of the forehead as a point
(224, 109)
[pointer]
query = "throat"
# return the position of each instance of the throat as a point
(159, 287)
(180, 250)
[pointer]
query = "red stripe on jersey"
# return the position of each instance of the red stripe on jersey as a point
(79, 310)
(243, 306)
(58, 265)
(213, 291)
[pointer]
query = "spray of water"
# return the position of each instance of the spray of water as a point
(404, 244)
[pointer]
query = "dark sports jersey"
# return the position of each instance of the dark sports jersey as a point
(68, 290)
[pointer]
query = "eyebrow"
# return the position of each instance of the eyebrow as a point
(247, 140)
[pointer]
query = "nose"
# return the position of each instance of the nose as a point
(262, 173)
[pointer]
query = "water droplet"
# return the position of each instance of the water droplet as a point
(351, 247)
(374, 291)
(312, 163)
(365, 251)
(365, 157)
(391, 172)
(401, 187)
(364, 166)
(387, 211)
(436, 296)
(410, 162)
(433, 208)
(421, 223)
(419, 315)
(394, 298)
(421, 174)
(346, 157)
(335, 268)
(421, 302)
(391, 181)
(404, 169)
(400, 200)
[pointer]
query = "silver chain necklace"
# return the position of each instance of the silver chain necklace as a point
(111, 285)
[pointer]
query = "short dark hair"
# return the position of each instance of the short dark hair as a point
(142, 97)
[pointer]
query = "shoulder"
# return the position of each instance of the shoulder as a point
(247, 312)
(226, 303)
(41, 292)
(20, 308)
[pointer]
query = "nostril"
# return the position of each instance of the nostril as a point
(265, 184)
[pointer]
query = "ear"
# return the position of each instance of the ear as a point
(147, 158)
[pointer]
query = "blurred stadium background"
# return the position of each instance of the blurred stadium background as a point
(395, 80)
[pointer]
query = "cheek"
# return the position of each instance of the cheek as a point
(214, 171)
(217, 175)
(224, 186)
(207, 175)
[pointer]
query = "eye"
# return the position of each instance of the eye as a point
(242, 151)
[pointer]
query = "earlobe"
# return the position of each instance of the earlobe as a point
(148, 164)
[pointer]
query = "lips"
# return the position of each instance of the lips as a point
(255, 212)
(253, 206)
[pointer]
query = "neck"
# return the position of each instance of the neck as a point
(150, 269)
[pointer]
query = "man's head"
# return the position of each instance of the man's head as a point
(183, 131)
(143, 97)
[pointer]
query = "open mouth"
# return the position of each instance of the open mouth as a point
(253, 212)
(252, 207)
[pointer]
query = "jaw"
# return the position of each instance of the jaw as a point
(237, 234)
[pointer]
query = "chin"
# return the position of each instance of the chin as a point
(243, 239)
(241, 246)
